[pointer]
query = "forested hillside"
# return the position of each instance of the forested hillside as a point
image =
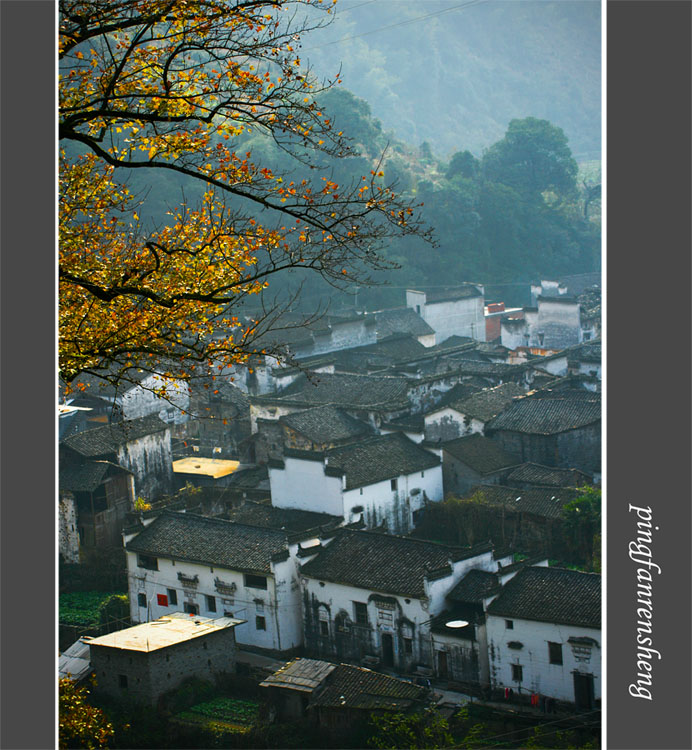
(455, 73)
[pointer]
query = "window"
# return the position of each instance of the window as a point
(211, 603)
(555, 653)
(260, 623)
(172, 596)
(393, 484)
(509, 624)
(517, 672)
(162, 600)
(422, 474)
(324, 627)
(408, 645)
(361, 490)
(190, 609)
(255, 582)
(122, 681)
(360, 613)
(148, 562)
(141, 600)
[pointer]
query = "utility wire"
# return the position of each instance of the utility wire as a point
(400, 23)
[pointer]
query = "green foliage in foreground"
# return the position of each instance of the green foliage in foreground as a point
(91, 608)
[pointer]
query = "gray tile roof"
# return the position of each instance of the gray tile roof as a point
(379, 458)
(210, 541)
(557, 595)
(401, 320)
(549, 476)
(351, 687)
(474, 587)
(548, 413)
(538, 501)
(326, 424)
(84, 476)
(383, 562)
(481, 454)
(284, 519)
(447, 294)
(486, 404)
(101, 441)
(348, 391)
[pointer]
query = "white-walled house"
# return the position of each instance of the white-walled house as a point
(384, 479)
(211, 567)
(544, 635)
(370, 597)
(553, 325)
(457, 311)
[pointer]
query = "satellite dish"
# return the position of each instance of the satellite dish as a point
(457, 623)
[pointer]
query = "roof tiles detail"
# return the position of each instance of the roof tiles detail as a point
(549, 413)
(101, 441)
(479, 453)
(325, 424)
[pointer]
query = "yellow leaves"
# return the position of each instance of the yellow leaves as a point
(152, 152)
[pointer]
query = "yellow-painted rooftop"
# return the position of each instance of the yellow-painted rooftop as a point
(166, 631)
(208, 467)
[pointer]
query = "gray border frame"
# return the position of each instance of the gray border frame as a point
(649, 374)
(28, 677)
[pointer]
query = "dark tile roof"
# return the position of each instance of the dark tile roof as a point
(479, 453)
(347, 390)
(85, 476)
(401, 320)
(454, 341)
(326, 424)
(379, 458)
(407, 423)
(448, 294)
(547, 413)
(101, 441)
(548, 476)
(538, 501)
(351, 687)
(250, 478)
(474, 587)
(383, 562)
(284, 519)
(484, 405)
(210, 541)
(459, 392)
(590, 352)
(557, 595)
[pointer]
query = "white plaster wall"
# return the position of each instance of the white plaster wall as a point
(556, 366)
(380, 502)
(150, 459)
(280, 601)
(68, 534)
(446, 416)
(268, 411)
(416, 437)
(438, 590)
(428, 339)
(303, 485)
(539, 676)
(141, 401)
(560, 322)
(464, 317)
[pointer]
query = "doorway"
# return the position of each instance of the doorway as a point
(387, 649)
(583, 691)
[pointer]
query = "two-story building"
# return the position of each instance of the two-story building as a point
(451, 311)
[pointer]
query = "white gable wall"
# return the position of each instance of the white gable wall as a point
(302, 484)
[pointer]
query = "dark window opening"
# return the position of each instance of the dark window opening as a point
(211, 603)
(517, 672)
(360, 613)
(148, 562)
(172, 596)
(255, 582)
(408, 645)
(555, 653)
(509, 624)
(393, 484)
(141, 600)
(260, 623)
(190, 609)
(122, 681)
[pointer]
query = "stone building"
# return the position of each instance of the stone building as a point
(143, 662)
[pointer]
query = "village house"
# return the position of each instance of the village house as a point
(376, 358)
(544, 635)
(338, 696)
(472, 460)
(209, 566)
(469, 414)
(451, 311)
(143, 446)
(403, 320)
(494, 314)
(560, 427)
(385, 480)
(143, 662)
(94, 497)
(459, 635)
(554, 324)
(586, 360)
(370, 597)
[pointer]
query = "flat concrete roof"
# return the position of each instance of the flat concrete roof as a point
(168, 630)
(208, 467)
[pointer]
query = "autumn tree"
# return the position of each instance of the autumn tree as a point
(171, 87)
(81, 725)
